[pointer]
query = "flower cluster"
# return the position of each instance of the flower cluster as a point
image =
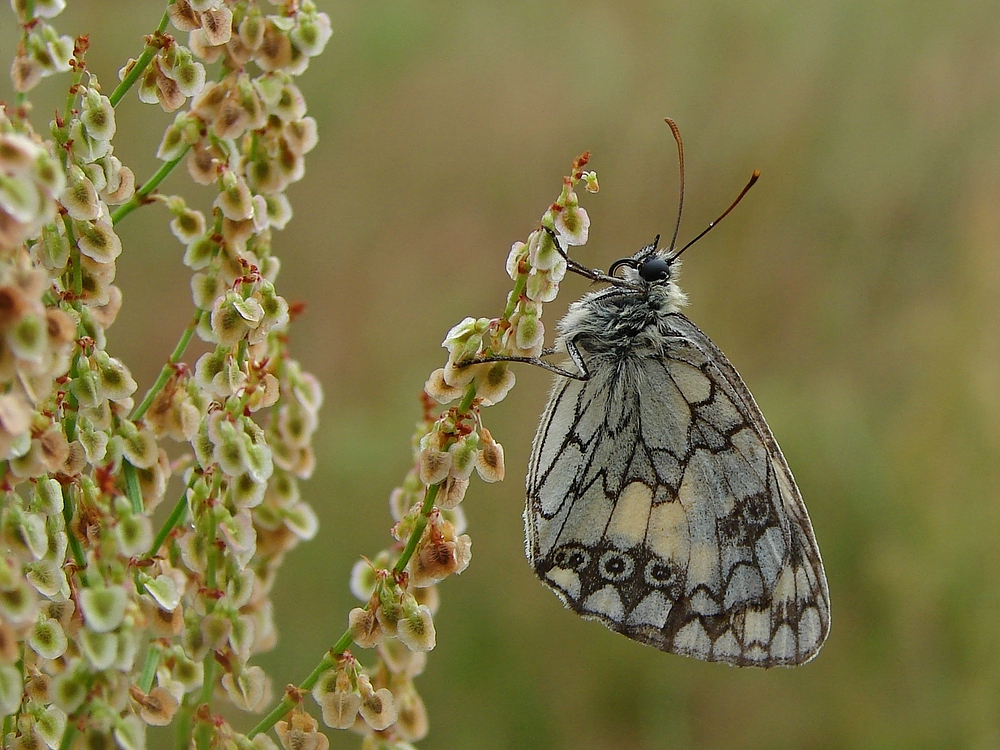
(42, 51)
(106, 625)
(398, 587)
(536, 267)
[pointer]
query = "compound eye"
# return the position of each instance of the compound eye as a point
(655, 269)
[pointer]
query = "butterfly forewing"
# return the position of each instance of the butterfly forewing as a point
(659, 503)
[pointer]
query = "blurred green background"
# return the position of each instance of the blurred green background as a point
(856, 288)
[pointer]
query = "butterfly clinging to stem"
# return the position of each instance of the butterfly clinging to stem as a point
(658, 501)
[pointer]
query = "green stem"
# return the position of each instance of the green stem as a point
(72, 402)
(168, 369)
(418, 529)
(140, 195)
(74, 544)
(175, 518)
(149, 667)
(327, 662)
(522, 281)
(69, 736)
(70, 99)
(183, 735)
(208, 686)
(140, 65)
(342, 644)
(76, 269)
(132, 488)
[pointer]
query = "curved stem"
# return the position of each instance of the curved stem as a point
(168, 369)
(140, 195)
(140, 65)
(328, 661)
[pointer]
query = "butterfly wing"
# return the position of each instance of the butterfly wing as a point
(659, 503)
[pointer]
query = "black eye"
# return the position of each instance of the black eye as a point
(655, 269)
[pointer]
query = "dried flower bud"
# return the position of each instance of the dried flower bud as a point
(250, 690)
(365, 628)
(157, 708)
(489, 460)
(340, 709)
(301, 732)
(452, 493)
(378, 707)
(412, 724)
(434, 463)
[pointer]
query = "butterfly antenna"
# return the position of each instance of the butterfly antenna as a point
(680, 163)
(753, 179)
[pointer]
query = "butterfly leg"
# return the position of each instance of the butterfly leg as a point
(571, 349)
(594, 274)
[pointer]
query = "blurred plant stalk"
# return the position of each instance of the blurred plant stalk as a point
(106, 625)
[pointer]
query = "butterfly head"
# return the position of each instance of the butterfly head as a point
(653, 274)
(647, 267)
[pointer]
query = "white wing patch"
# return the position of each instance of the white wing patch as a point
(660, 504)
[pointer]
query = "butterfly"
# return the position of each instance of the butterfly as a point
(658, 501)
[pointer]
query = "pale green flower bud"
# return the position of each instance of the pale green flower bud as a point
(80, 196)
(100, 649)
(572, 223)
(301, 520)
(48, 639)
(114, 380)
(98, 116)
(489, 460)
(47, 576)
(312, 33)
(541, 287)
(98, 241)
(366, 631)
(416, 629)
(69, 688)
(494, 382)
(103, 608)
(439, 389)
(134, 534)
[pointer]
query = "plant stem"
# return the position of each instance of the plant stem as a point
(140, 65)
(203, 734)
(342, 644)
(132, 488)
(328, 661)
(418, 529)
(149, 667)
(168, 369)
(140, 195)
(183, 736)
(69, 736)
(74, 544)
(175, 518)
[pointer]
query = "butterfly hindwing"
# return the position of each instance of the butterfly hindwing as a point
(659, 503)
